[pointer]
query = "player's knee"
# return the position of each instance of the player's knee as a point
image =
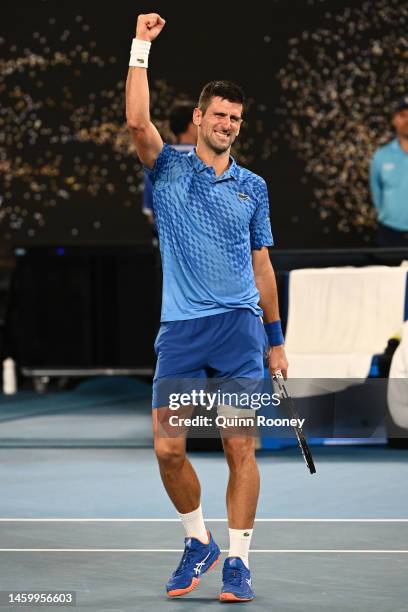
(170, 454)
(239, 451)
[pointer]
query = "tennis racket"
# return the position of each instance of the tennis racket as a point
(304, 447)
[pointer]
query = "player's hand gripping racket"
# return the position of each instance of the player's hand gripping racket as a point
(304, 447)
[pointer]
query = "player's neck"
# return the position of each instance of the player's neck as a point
(218, 161)
(403, 142)
(185, 139)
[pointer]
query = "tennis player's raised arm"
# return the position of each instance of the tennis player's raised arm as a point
(147, 139)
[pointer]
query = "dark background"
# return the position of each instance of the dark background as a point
(67, 174)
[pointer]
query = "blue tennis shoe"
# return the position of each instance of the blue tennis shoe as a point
(197, 559)
(236, 579)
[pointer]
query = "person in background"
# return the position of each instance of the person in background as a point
(185, 133)
(389, 182)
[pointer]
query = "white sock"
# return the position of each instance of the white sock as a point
(193, 524)
(240, 539)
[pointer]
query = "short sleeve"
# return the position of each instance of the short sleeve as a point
(260, 225)
(162, 164)
(147, 194)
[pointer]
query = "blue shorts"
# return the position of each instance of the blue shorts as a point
(231, 345)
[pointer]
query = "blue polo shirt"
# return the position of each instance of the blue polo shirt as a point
(389, 185)
(147, 203)
(207, 227)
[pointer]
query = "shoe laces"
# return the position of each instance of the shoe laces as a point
(232, 575)
(185, 559)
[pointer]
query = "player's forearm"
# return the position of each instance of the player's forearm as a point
(268, 294)
(148, 27)
(137, 98)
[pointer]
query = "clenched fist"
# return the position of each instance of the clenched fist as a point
(149, 26)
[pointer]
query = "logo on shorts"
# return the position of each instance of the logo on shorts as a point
(141, 61)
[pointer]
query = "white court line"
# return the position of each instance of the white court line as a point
(207, 520)
(180, 550)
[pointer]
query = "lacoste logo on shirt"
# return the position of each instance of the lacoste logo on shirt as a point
(389, 166)
(243, 196)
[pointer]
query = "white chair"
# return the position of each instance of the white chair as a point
(338, 318)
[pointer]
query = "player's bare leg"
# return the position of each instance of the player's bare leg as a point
(243, 484)
(178, 475)
(201, 553)
(242, 499)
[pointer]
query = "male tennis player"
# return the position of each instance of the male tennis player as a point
(214, 229)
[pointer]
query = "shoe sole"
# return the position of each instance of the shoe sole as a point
(230, 597)
(194, 582)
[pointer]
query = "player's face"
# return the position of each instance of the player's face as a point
(400, 122)
(220, 124)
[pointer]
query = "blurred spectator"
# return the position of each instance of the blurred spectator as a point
(389, 182)
(185, 133)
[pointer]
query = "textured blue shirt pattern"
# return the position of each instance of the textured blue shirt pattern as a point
(207, 226)
(147, 202)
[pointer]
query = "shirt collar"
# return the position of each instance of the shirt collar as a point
(199, 166)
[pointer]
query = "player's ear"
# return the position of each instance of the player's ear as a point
(197, 116)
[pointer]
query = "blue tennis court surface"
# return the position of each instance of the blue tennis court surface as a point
(337, 540)
(296, 565)
(83, 509)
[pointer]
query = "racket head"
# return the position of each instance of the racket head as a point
(306, 452)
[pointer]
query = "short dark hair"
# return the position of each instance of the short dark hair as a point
(180, 116)
(222, 89)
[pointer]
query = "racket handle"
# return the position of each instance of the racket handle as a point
(278, 374)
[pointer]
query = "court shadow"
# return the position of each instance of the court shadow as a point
(196, 600)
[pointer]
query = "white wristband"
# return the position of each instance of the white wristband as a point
(139, 53)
